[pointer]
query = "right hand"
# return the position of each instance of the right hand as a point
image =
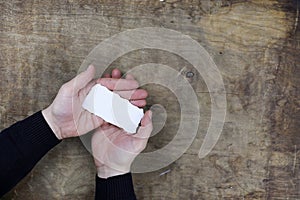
(113, 149)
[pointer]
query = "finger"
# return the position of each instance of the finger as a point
(107, 76)
(118, 84)
(144, 132)
(129, 77)
(133, 94)
(105, 124)
(81, 80)
(146, 127)
(83, 92)
(147, 119)
(109, 129)
(139, 103)
(96, 121)
(116, 73)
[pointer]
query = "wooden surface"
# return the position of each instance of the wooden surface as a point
(256, 46)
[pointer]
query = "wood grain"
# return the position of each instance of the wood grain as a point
(255, 45)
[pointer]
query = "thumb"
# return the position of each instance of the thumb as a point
(82, 79)
(147, 119)
(146, 127)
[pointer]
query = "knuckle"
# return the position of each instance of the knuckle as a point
(64, 88)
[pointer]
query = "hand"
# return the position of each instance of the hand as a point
(113, 149)
(65, 115)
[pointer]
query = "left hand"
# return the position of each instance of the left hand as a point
(65, 115)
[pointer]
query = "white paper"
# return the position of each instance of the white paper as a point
(113, 108)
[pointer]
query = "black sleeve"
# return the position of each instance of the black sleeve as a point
(21, 146)
(115, 188)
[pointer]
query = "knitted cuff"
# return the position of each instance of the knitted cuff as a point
(116, 187)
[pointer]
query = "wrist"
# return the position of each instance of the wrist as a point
(47, 114)
(107, 172)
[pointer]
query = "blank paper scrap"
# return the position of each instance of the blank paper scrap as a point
(113, 108)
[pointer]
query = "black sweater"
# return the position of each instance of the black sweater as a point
(23, 144)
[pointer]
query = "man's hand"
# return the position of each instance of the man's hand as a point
(113, 149)
(65, 115)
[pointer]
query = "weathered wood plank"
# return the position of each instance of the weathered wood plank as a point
(254, 43)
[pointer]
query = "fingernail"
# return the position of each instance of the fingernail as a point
(90, 66)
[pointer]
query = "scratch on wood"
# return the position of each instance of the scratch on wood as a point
(165, 172)
(297, 18)
(295, 159)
